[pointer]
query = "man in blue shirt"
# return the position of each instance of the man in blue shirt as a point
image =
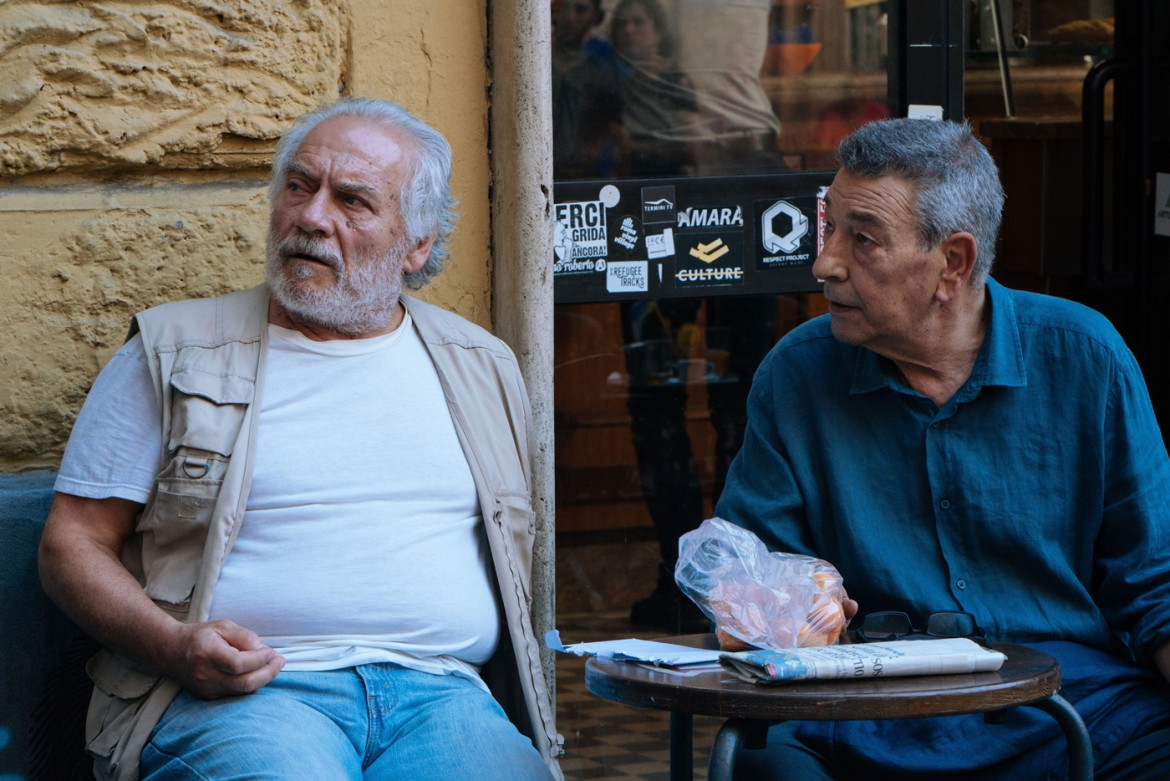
(953, 445)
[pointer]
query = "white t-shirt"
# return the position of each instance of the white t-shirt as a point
(362, 540)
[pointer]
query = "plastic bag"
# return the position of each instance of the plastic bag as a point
(758, 598)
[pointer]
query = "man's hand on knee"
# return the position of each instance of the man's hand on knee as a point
(222, 659)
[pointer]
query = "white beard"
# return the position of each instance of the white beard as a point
(361, 301)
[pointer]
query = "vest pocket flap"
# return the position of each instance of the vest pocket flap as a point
(126, 704)
(173, 527)
(216, 388)
(207, 411)
(115, 675)
(173, 536)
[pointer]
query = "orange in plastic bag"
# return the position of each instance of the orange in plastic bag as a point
(757, 598)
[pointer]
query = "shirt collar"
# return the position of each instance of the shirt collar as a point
(1000, 360)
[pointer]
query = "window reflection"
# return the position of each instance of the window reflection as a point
(651, 394)
(712, 87)
(1027, 107)
(659, 106)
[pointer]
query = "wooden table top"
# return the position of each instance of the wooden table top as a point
(1027, 676)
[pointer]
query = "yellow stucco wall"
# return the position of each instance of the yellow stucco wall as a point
(134, 140)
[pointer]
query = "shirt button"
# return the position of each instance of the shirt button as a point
(961, 584)
(945, 504)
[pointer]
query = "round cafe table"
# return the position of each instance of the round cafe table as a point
(1028, 677)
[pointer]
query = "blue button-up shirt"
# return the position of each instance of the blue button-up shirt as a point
(1036, 498)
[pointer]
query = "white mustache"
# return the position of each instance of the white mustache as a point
(299, 244)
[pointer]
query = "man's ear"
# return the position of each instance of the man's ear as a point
(959, 250)
(416, 258)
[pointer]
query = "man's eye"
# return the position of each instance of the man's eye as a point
(864, 240)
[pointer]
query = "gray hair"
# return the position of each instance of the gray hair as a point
(425, 202)
(956, 181)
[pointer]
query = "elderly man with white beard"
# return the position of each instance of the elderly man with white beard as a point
(298, 518)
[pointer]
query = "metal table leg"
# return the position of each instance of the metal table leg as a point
(1080, 750)
(748, 733)
(682, 746)
(739, 732)
(723, 750)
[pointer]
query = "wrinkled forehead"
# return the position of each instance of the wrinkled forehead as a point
(356, 147)
(888, 201)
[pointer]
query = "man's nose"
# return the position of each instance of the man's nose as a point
(315, 215)
(828, 263)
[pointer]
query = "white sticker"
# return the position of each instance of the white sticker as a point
(627, 277)
(660, 246)
(919, 111)
(581, 232)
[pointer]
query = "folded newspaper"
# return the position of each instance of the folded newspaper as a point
(864, 660)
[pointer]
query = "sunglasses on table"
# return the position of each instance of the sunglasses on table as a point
(895, 625)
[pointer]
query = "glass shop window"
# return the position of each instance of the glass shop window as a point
(668, 297)
(1024, 79)
(712, 87)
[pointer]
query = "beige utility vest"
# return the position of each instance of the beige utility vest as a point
(207, 359)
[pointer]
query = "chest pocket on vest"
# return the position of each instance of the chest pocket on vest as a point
(207, 413)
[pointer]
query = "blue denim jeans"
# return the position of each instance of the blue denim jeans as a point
(378, 721)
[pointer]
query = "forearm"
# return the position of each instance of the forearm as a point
(85, 577)
(82, 571)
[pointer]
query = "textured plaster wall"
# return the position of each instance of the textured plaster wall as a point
(134, 140)
(98, 84)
